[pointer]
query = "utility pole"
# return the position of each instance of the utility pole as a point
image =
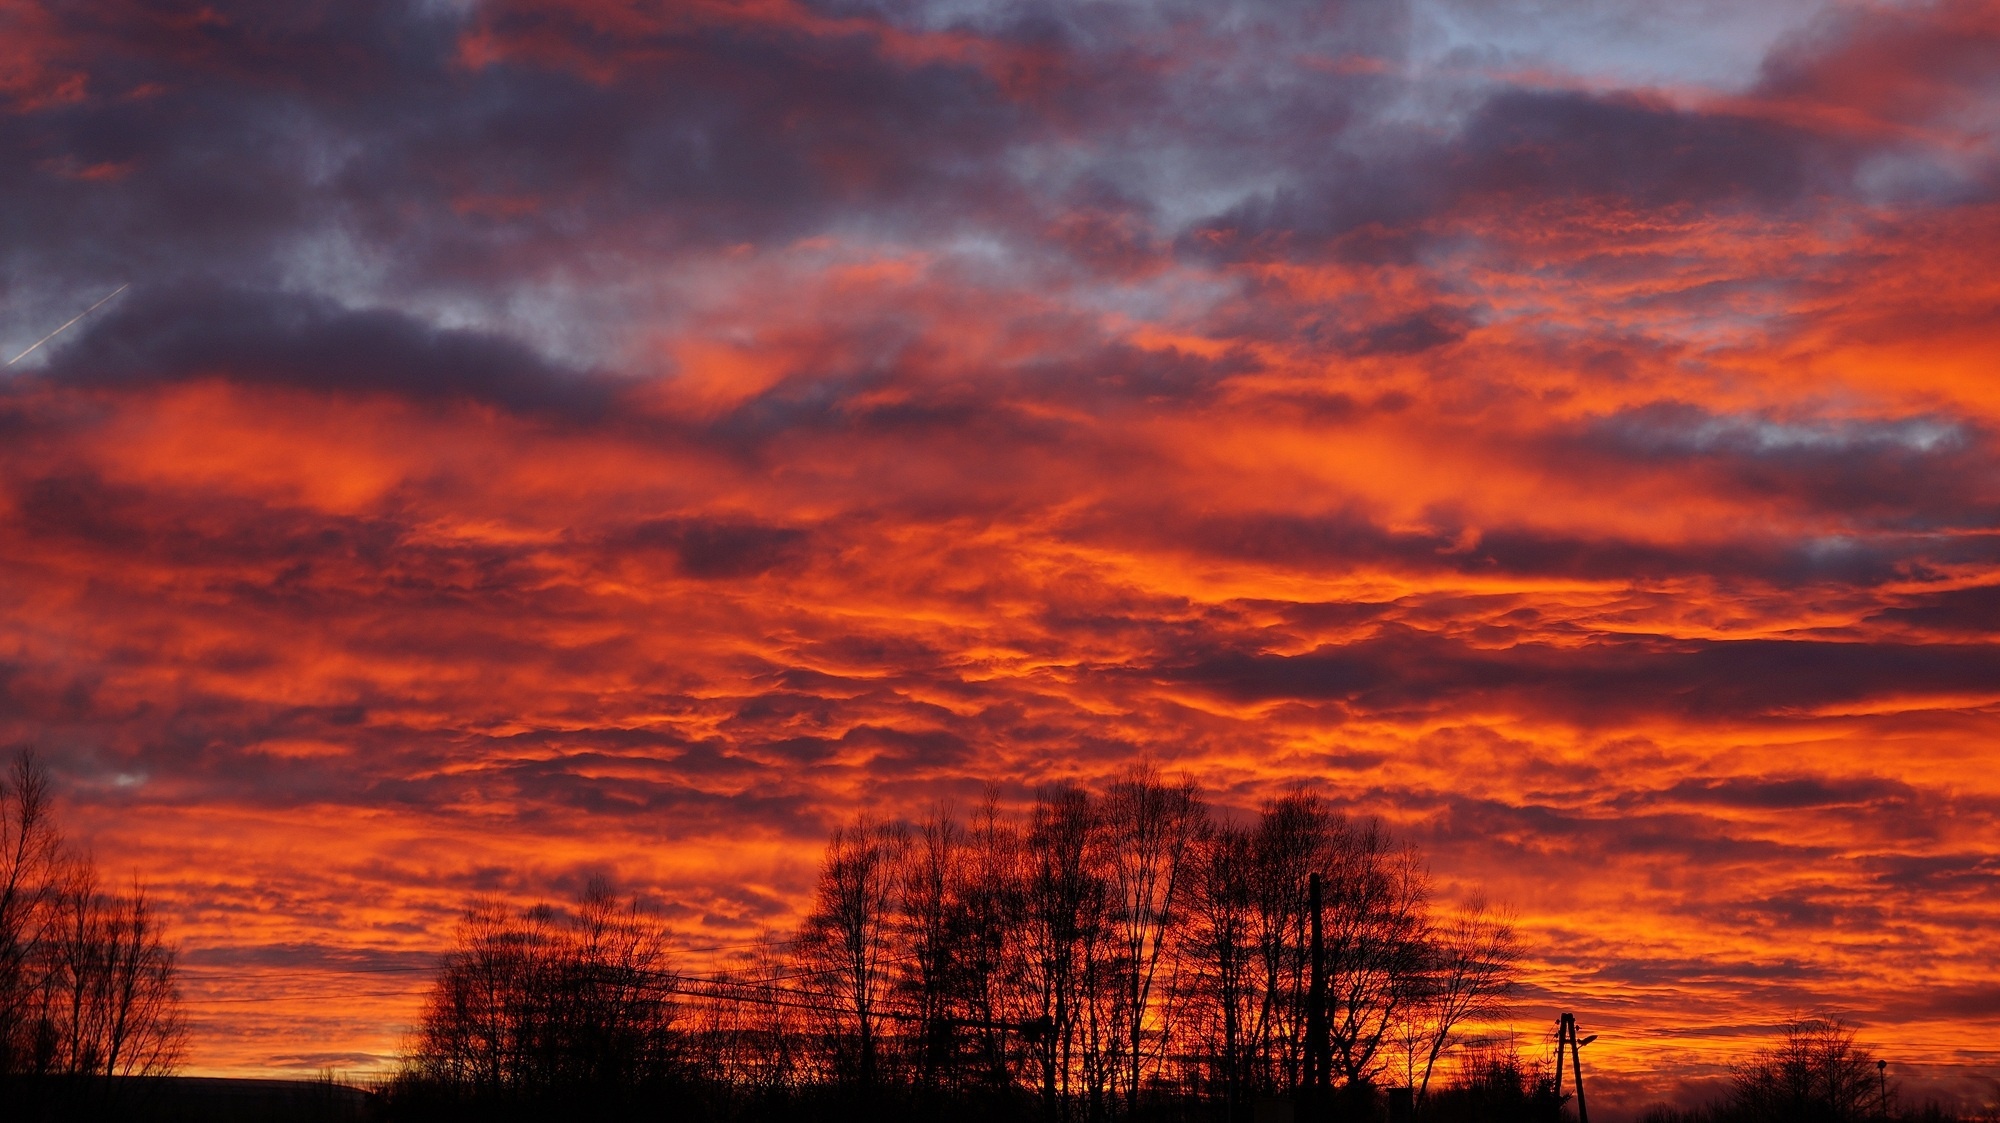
(1576, 1065)
(1319, 1051)
(1566, 1038)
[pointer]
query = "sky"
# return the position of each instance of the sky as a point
(552, 438)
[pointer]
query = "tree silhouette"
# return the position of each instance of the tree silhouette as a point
(847, 939)
(1470, 960)
(1294, 838)
(89, 983)
(1817, 1072)
(540, 1005)
(1107, 953)
(1377, 896)
(1150, 830)
(1222, 953)
(30, 849)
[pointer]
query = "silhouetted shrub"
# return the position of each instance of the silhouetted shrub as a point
(1496, 1086)
(543, 1009)
(1818, 1073)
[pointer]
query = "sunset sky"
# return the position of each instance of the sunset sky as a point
(546, 438)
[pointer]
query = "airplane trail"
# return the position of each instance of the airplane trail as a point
(66, 327)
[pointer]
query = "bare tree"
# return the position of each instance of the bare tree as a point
(1221, 948)
(539, 1003)
(772, 1059)
(1063, 923)
(991, 975)
(1295, 837)
(1818, 1073)
(1472, 958)
(742, 1038)
(1071, 952)
(89, 986)
(1377, 898)
(847, 938)
(29, 849)
(932, 923)
(143, 1033)
(469, 1035)
(613, 995)
(1150, 829)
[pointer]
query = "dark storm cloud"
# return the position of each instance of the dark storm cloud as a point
(1775, 794)
(1952, 612)
(247, 140)
(578, 781)
(1554, 145)
(1346, 542)
(1897, 74)
(1350, 191)
(1875, 494)
(1399, 668)
(255, 142)
(193, 141)
(1529, 148)
(1916, 473)
(291, 562)
(217, 747)
(881, 387)
(712, 548)
(1671, 842)
(1658, 972)
(1409, 335)
(1970, 1002)
(250, 141)
(311, 343)
(1967, 872)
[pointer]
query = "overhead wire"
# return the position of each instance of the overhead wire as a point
(717, 986)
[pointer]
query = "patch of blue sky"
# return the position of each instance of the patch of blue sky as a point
(1766, 435)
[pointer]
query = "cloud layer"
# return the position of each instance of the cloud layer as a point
(555, 436)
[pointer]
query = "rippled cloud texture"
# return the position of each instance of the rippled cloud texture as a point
(547, 437)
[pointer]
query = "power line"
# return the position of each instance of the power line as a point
(672, 980)
(203, 974)
(227, 973)
(306, 997)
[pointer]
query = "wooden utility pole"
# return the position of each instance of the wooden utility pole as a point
(1566, 1039)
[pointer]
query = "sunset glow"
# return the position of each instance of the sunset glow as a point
(546, 438)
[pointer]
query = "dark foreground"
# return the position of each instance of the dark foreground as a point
(186, 1099)
(212, 1100)
(190, 1099)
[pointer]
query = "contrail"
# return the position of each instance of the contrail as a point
(65, 327)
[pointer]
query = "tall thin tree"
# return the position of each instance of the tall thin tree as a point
(848, 935)
(1151, 828)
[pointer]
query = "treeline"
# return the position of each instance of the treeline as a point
(1106, 954)
(88, 988)
(1818, 1073)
